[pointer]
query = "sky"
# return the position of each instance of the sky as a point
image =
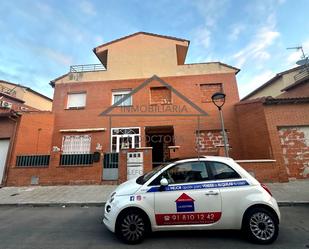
(39, 40)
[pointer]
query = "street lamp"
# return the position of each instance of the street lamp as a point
(219, 99)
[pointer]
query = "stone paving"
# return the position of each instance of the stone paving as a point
(285, 193)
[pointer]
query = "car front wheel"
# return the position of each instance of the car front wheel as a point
(261, 226)
(131, 227)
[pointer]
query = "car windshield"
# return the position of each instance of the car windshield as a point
(144, 178)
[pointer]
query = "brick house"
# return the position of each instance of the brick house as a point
(178, 92)
(142, 106)
(282, 122)
(11, 110)
(15, 100)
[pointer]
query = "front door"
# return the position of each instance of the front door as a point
(125, 138)
(189, 198)
(4, 148)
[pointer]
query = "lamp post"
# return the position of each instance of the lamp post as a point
(219, 99)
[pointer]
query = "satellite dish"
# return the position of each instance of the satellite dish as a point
(303, 61)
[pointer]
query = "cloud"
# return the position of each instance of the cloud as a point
(98, 40)
(44, 8)
(202, 36)
(88, 8)
(211, 10)
(251, 82)
(235, 32)
(57, 56)
(256, 50)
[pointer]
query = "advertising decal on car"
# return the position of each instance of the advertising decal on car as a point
(187, 218)
(186, 215)
(185, 203)
(201, 186)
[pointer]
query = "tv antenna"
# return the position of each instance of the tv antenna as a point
(304, 59)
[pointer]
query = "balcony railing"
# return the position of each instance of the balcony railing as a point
(302, 74)
(76, 159)
(7, 90)
(32, 161)
(86, 68)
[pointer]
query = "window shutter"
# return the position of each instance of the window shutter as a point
(76, 100)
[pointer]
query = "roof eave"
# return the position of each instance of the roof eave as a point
(144, 33)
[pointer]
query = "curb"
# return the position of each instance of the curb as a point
(59, 204)
(292, 203)
(102, 204)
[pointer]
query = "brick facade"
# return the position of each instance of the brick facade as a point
(261, 127)
(295, 149)
(209, 142)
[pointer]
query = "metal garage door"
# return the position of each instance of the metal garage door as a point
(4, 147)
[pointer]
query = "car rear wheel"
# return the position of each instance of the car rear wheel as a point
(131, 227)
(261, 226)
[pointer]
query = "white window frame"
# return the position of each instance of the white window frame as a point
(121, 92)
(125, 135)
(74, 107)
(84, 146)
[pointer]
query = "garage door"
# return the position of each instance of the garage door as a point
(4, 147)
(295, 149)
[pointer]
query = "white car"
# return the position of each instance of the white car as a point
(198, 193)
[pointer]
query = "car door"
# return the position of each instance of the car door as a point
(234, 192)
(189, 199)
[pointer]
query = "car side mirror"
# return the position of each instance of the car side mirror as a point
(164, 182)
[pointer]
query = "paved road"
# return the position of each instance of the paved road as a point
(77, 227)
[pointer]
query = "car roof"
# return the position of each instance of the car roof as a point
(204, 158)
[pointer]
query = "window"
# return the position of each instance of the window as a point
(125, 138)
(118, 95)
(160, 95)
(76, 144)
(76, 100)
(184, 173)
(222, 171)
(208, 90)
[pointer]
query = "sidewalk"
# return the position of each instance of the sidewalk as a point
(292, 193)
(56, 195)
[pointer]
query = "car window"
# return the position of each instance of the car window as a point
(222, 171)
(184, 173)
(144, 178)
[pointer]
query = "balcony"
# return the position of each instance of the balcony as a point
(87, 68)
(6, 90)
(304, 73)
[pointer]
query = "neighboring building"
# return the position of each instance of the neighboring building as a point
(278, 83)
(27, 95)
(278, 127)
(11, 109)
(15, 101)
